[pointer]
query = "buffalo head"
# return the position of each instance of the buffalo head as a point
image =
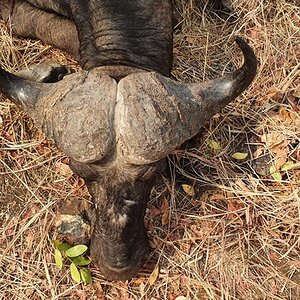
(117, 134)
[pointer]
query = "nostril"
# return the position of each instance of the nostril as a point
(119, 269)
(118, 259)
(119, 264)
(117, 273)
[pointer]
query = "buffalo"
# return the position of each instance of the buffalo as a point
(120, 116)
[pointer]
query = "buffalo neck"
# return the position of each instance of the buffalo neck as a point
(131, 33)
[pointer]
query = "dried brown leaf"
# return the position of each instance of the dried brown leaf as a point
(189, 190)
(63, 170)
(154, 275)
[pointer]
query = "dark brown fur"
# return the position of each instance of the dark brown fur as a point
(132, 33)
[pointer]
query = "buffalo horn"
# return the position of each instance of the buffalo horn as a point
(168, 112)
(22, 92)
(215, 94)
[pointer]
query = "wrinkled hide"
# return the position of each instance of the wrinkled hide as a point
(120, 116)
(98, 33)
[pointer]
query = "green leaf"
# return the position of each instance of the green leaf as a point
(75, 273)
(239, 155)
(275, 174)
(287, 166)
(86, 275)
(214, 145)
(64, 247)
(76, 250)
(56, 243)
(81, 261)
(58, 259)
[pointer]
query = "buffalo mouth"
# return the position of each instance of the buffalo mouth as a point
(123, 270)
(118, 260)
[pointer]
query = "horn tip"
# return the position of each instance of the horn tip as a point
(246, 49)
(250, 61)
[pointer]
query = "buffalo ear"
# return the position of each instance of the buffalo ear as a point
(24, 93)
(47, 72)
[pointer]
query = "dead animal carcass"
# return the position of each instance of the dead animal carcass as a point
(122, 115)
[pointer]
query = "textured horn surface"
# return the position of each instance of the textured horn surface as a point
(153, 116)
(78, 112)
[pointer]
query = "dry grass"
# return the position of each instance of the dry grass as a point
(238, 235)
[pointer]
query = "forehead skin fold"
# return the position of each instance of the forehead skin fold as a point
(80, 111)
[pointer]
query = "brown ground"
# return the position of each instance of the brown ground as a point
(220, 228)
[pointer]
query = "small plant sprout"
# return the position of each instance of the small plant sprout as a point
(75, 256)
